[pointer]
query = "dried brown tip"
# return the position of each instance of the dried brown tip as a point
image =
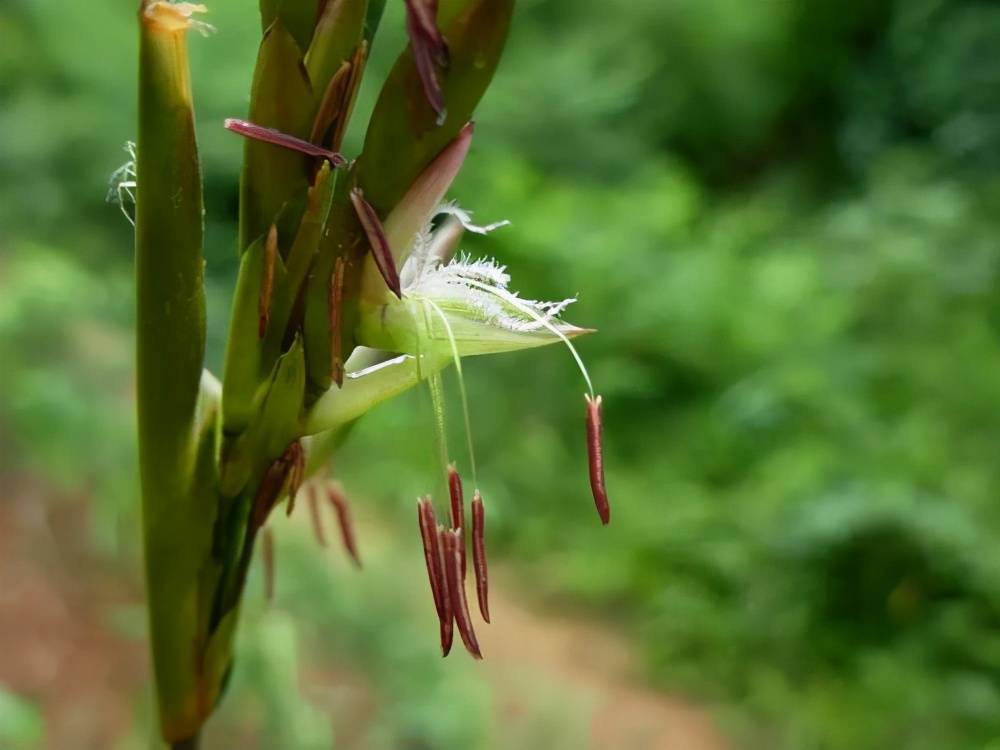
(284, 140)
(452, 541)
(457, 509)
(350, 95)
(315, 515)
(267, 556)
(332, 104)
(379, 243)
(335, 309)
(339, 502)
(267, 281)
(279, 473)
(595, 455)
(429, 51)
(479, 554)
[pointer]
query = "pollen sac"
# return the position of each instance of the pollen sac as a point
(430, 534)
(314, 514)
(456, 591)
(595, 455)
(339, 502)
(295, 458)
(457, 510)
(479, 554)
(267, 556)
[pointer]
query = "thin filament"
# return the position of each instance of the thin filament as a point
(519, 305)
(461, 386)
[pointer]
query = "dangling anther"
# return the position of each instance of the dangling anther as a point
(457, 510)
(479, 554)
(379, 243)
(339, 502)
(434, 561)
(314, 513)
(296, 459)
(267, 556)
(595, 455)
(456, 591)
(267, 281)
(335, 311)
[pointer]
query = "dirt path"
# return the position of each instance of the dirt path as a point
(60, 651)
(592, 669)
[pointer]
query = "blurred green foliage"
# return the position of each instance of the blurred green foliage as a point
(782, 217)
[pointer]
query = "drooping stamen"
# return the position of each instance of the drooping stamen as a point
(339, 502)
(381, 251)
(447, 622)
(479, 554)
(456, 591)
(457, 360)
(315, 515)
(284, 140)
(429, 51)
(457, 511)
(432, 553)
(334, 310)
(267, 281)
(275, 478)
(595, 454)
(296, 458)
(267, 556)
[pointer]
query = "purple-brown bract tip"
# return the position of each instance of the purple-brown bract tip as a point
(284, 140)
(375, 233)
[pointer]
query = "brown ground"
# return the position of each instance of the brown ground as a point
(58, 650)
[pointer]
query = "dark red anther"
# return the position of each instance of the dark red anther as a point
(284, 140)
(457, 509)
(432, 552)
(456, 591)
(595, 455)
(314, 513)
(267, 281)
(282, 471)
(334, 309)
(479, 554)
(447, 622)
(267, 555)
(430, 535)
(379, 243)
(339, 502)
(429, 51)
(295, 457)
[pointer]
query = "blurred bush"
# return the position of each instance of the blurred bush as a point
(782, 217)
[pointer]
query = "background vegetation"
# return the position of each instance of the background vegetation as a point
(782, 217)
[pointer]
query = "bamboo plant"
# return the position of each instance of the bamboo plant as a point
(349, 292)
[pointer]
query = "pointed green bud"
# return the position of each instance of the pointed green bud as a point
(281, 99)
(338, 34)
(244, 373)
(404, 135)
(414, 211)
